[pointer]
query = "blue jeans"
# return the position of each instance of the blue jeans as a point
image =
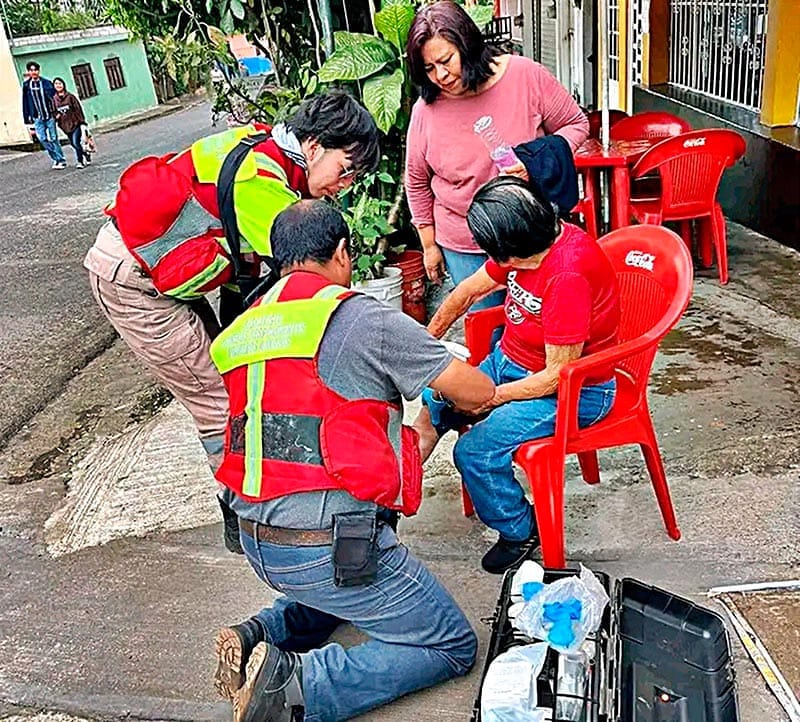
(419, 636)
(48, 136)
(484, 454)
(463, 265)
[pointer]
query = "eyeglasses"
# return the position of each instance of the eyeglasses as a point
(346, 173)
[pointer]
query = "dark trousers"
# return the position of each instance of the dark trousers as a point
(75, 141)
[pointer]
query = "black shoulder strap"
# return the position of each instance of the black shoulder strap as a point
(227, 211)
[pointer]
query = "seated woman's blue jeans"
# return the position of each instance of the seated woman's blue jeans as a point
(483, 455)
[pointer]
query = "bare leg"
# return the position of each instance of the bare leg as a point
(428, 437)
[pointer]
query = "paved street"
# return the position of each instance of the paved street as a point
(49, 324)
(113, 577)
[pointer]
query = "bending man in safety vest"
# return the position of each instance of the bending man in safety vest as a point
(315, 447)
(164, 247)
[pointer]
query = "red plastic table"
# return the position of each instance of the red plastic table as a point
(619, 157)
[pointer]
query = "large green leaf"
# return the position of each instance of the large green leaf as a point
(356, 61)
(481, 14)
(344, 39)
(382, 97)
(237, 9)
(394, 22)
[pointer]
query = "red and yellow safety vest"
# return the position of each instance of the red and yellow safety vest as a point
(167, 214)
(288, 431)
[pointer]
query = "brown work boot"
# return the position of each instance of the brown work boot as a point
(233, 647)
(273, 690)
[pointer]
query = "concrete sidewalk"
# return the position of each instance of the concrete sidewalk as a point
(114, 587)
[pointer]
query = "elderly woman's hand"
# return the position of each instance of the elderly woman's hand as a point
(518, 171)
(500, 397)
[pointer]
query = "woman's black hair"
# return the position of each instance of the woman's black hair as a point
(447, 20)
(337, 121)
(510, 218)
(308, 230)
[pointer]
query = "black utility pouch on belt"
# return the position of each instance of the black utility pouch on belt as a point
(355, 548)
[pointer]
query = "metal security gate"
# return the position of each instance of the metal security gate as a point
(717, 48)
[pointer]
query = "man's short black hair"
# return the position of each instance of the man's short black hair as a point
(445, 19)
(32, 65)
(338, 121)
(309, 230)
(510, 218)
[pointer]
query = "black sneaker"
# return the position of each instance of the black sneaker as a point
(233, 647)
(231, 528)
(273, 690)
(506, 554)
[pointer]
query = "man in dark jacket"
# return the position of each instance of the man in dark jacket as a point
(37, 110)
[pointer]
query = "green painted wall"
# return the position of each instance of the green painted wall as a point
(58, 53)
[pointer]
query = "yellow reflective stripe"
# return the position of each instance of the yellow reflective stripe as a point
(253, 440)
(331, 292)
(266, 163)
(288, 329)
(190, 289)
(273, 293)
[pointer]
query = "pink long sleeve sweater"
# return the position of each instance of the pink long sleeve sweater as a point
(446, 162)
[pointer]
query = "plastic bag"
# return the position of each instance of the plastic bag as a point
(509, 688)
(583, 594)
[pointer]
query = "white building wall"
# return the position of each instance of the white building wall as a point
(12, 129)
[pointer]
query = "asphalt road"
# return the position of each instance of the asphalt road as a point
(50, 326)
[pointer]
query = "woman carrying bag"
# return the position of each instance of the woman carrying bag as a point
(70, 118)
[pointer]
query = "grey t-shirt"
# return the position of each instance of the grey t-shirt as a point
(369, 351)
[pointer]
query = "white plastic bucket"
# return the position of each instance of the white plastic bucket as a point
(388, 289)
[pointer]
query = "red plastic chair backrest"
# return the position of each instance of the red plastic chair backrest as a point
(691, 166)
(654, 274)
(596, 119)
(652, 124)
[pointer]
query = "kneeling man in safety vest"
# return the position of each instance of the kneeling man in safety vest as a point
(189, 223)
(315, 452)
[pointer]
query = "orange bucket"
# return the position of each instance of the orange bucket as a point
(413, 270)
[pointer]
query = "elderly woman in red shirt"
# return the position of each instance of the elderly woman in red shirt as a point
(562, 303)
(460, 80)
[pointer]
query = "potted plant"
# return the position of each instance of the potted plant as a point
(366, 213)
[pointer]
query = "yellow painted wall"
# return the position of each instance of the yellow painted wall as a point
(12, 129)
(781, 64)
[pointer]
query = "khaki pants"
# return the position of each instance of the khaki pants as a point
(170, 337)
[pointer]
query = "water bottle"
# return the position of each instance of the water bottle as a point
(572, 687)
(500, 152)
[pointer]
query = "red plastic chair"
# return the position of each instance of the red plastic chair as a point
(654, 273)
(595, 118)
(690, 167)
(653, 125)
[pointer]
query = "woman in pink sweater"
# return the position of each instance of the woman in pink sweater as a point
(460, 80)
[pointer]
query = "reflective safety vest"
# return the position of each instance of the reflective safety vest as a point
(167, 214)
(289, 432)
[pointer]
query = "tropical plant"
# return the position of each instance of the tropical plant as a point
(367, 217)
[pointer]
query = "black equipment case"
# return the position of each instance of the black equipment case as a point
(659, 658)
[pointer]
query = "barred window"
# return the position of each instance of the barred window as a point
(717, 48)
(116, 79)
(84, 80)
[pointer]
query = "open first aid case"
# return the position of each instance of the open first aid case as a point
(658, 658)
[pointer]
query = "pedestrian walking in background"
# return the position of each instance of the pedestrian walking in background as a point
(70, 118)
(37, 110)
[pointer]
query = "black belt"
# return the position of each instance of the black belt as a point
(287, 537)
